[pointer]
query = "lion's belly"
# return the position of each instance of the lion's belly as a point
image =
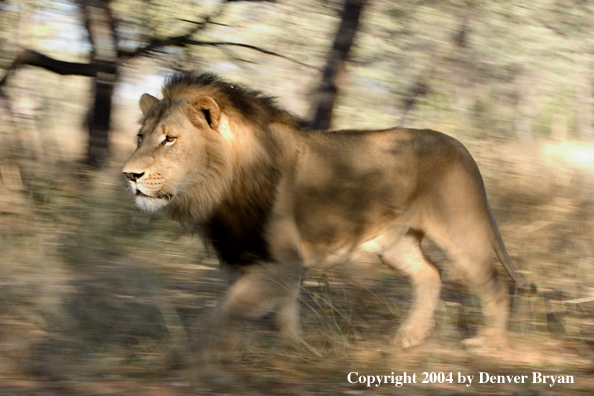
(315, 254)
(330, 233)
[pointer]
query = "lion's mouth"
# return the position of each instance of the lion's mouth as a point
(153, 202)
(158, 195)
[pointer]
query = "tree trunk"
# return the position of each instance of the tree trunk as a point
(335, 65)
(99, 119)
(101, 30)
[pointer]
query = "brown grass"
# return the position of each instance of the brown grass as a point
(96, 297)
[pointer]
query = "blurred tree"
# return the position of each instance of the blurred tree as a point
(458, 41)
(101, 29)
(572, 21)
(496, 68)
(335, 64)
(109, 51)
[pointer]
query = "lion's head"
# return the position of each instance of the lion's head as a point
(196, 140)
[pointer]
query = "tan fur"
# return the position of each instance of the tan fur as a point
(273, 198)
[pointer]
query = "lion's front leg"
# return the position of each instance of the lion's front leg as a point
(288, 318)
(264, 288)
(283, 241)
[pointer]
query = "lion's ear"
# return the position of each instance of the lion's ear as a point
(146, 103)
(207, 108)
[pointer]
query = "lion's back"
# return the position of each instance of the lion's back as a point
(399, 153)
(350, 183)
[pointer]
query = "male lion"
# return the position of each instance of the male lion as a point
(273, 198)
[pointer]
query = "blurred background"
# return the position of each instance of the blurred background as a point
(98, 298)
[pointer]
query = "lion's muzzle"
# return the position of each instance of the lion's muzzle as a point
(146, 199)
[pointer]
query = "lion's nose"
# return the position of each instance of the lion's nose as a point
(133, 176)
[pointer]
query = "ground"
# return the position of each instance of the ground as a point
(98, 298)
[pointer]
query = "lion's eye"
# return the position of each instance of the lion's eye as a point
(168, 139)
(139, 137)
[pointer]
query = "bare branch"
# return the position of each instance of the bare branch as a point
(249, 46)
(34, 58)
(185, 39)
(155, 43)
(82, 9)
(202, 22)
(231, 55)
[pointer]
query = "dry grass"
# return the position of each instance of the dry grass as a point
(96, 297)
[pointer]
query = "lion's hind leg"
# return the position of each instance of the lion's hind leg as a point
(405, 256)
(472, 254)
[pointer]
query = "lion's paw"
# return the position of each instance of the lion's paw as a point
(409, 337)
(486, 342)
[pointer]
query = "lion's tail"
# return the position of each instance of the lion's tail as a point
(522, 286)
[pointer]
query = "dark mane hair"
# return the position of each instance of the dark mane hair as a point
(252, 104)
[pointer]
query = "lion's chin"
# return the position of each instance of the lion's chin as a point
(151, 204)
